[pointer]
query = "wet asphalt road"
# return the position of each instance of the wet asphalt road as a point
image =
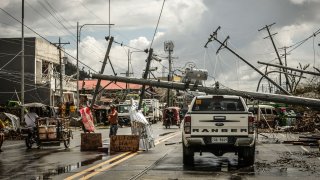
(273, 161)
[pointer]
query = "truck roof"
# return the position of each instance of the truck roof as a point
(224, 96)
(261, 106)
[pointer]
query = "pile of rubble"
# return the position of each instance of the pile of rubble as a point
(308, 124)
(291, 160)
(306, 140)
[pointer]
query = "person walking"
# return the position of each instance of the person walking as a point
(1, 134)
(30, 118)
(113, 121)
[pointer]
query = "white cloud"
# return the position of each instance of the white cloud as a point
(4, 3)
(302, 1)
(140, 42)
(91, 51)
(187, 23)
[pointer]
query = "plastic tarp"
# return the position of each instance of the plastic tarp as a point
(141, 127)
(34, 105)
(14, 121)
(87, 119)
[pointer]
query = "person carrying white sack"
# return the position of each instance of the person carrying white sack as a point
(141, 127)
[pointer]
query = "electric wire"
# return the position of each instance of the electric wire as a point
(155, 31)
(10, 61)
(122, 44)
(56, 16)
(35, 10)
(45, 39)
(296, 45)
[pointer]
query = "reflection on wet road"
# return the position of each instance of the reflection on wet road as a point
(273, 160)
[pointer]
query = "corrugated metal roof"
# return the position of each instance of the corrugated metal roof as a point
(91, 84)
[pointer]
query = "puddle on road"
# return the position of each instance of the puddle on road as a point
(220, 167)
(71, 167)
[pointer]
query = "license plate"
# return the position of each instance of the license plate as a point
(219, 139)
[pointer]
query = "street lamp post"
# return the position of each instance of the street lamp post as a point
(78, 41)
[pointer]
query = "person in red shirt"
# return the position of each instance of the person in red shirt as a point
(113, 121)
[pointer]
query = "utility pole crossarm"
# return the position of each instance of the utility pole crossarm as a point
(214, 34)
(267, 26)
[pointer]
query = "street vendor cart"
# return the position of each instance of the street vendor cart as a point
(49, 130)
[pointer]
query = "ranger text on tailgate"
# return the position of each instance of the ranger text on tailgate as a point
(219, 124)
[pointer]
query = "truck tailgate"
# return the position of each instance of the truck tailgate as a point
(219, 124)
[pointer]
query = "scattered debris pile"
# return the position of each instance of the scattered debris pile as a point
(288, 160)
(306, 140)
(309, 123)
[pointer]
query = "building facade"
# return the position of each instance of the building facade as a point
(42, 83)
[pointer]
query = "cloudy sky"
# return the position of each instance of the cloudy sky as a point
(187, 23)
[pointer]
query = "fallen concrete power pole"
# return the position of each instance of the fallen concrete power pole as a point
(288, 99)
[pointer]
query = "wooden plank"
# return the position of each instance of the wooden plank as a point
(90, 141)
(124, 143)
(310, 137)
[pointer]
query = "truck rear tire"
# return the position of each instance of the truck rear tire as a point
(246, 156)
(188, 156)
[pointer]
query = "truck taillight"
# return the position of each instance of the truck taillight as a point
(251, 124)
(187, 124)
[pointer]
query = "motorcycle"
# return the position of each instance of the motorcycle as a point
(123, 121)
(31, 137)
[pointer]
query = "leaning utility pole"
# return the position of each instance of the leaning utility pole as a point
(288, 99)
(275, 48)
(106, 57)
(145, 76)
(289, 68)
(223, 45)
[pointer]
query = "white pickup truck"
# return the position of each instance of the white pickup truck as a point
(219, 124)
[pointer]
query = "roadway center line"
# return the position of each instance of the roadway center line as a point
(96, 166)
(108, 167)
(100, 165)
(166, 138)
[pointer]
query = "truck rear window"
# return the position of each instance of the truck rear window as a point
(218, 104)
